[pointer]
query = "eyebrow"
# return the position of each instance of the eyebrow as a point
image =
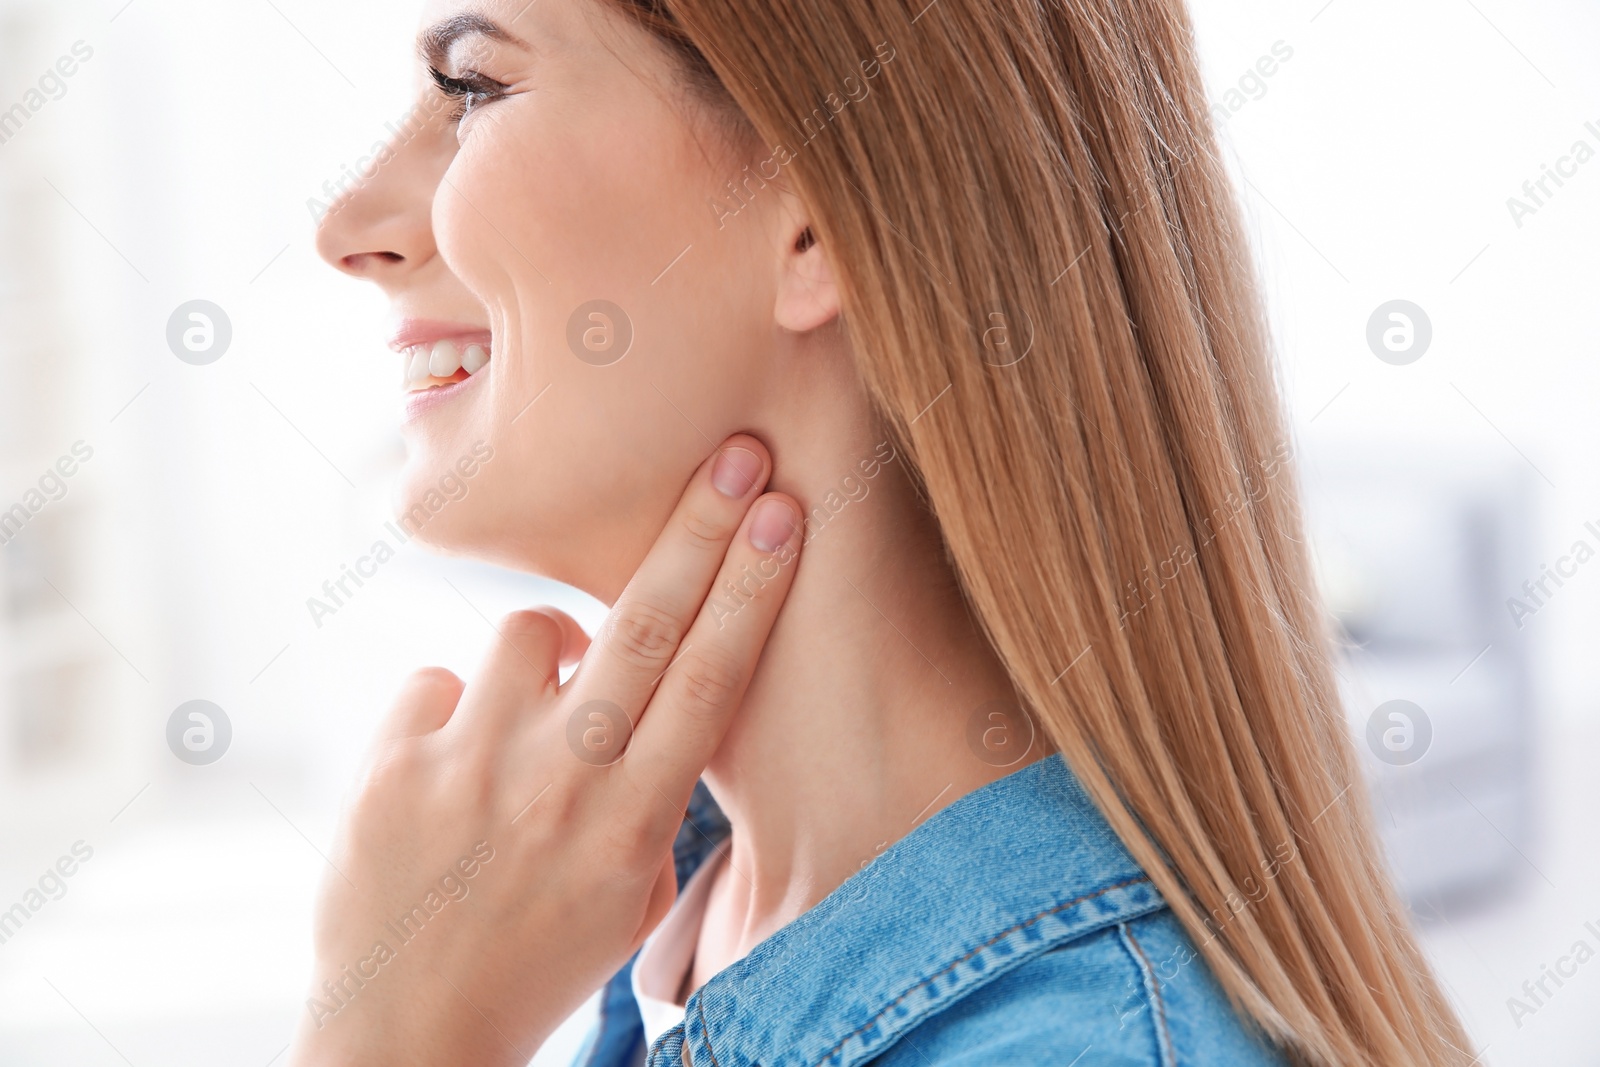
(434, 43)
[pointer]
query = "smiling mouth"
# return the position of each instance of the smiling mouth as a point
(440, 363)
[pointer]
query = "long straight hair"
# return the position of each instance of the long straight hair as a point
(1052, 301)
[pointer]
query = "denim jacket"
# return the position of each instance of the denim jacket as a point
(1011, 927)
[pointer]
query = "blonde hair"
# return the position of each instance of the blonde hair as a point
(1052, 301)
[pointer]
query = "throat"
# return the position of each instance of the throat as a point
(854, 731)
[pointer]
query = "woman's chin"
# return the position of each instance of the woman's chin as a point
(436, 495)
(484, 505)
(468, 526)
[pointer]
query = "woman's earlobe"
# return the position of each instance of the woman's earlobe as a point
(808, 296)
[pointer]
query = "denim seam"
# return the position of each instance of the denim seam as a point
(1152, 985)
(651, 1048)
(701, 1007)
(1007, 932)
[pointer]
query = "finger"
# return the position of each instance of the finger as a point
(646, 625)
(426, 700)
(521, 666)
(574, 641)
(686, 718)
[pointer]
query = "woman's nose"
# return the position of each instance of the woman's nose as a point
(380, 227)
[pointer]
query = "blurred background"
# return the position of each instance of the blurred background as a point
(1422, 182)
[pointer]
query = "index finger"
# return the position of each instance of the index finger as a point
(641, 635)
(691, 711)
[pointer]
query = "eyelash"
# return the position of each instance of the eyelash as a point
(472, 91)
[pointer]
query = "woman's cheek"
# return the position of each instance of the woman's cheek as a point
(466, 227)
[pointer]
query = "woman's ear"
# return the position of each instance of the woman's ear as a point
(807, 294)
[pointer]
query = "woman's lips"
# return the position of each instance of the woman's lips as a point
(422, 401)
(438, 360)
(410, 332)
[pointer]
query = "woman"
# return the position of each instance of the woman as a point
(1041, 761)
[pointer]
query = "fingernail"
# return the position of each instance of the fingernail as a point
(772, 526)
(736, 471)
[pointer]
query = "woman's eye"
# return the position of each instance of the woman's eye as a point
(470, 90)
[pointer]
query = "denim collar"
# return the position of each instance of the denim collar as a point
(1001, 875)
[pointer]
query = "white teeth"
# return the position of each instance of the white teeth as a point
(445, 360)
(417, 368)
(439, 360)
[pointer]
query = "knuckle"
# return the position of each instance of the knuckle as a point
(711, 680)
(703, 532)
(645, 635)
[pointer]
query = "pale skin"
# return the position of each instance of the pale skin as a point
(826, 730)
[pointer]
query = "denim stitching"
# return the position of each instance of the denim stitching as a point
(651, 1048)
(952, 966)
(1169, 1057)
(701, 1008)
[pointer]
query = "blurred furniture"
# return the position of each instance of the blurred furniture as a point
(1417, 557)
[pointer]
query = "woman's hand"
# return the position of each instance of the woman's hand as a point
(510, 845)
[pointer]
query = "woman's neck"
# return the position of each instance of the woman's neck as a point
(855, 726)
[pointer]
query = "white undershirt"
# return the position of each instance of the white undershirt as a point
(667, 953)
